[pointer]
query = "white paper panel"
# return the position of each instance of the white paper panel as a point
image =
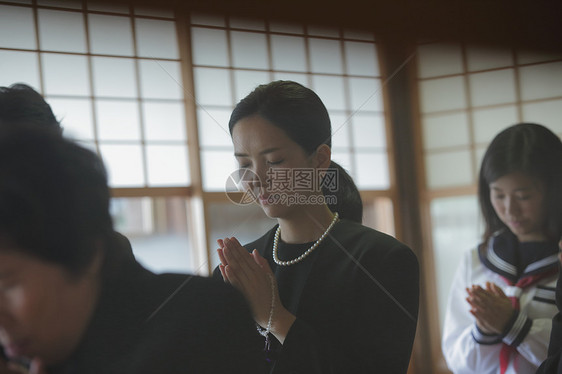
(547, 113)
(344, 160)
(249, 50)
(75, 116)
(456, 228)
(110, 35)
(212, 87)
(541, 81)
(442, 94)
(365, 94)
(449, 169)
(361, 59)
(330, 90)
(156, 38)
(369, 131)
(114, 77)
(494, 87)
(489, 122)
(164, 121)
(341, 128)
(213, 127)
(167, 165)
(124, 164)
(65, 74)
(160, 79)
(23, 67)
(479, 155)
(118, 120)
(288, 53)
(247, 81)
(372, 170)
(445, 130)
(325, 56)
(61, 31)
(216, 166)
(209, 47)
(17, 28)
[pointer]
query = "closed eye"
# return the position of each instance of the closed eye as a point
(274, 162)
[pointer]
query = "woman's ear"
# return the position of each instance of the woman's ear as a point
(323, 157)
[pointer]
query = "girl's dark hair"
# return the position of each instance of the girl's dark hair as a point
(54, 199)
(300, 113)
(533, 150)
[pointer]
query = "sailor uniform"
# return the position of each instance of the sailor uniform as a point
(527, 273)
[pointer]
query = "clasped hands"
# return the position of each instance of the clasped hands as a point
(491, 308)
(251, 274)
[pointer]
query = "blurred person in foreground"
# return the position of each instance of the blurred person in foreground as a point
(74, 300)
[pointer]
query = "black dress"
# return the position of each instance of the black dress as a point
(355, 298)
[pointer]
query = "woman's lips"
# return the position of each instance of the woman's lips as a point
(516, 223)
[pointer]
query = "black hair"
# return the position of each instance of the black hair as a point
(20, 103)
(300, 113)
(54, 199)
(535, 151)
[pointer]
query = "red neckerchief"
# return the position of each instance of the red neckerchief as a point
(522, 283)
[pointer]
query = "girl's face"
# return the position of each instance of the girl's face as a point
(280, 166)
(518, 200)
(43, 310)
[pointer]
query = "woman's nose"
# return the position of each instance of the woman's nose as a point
(249, 178)
(512, 207)
(261, 176)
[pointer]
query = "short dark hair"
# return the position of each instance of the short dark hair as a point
(20, 103)
(54, 198)
(299, 112)
(531, 149)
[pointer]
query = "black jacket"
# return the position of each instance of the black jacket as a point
(171, 323)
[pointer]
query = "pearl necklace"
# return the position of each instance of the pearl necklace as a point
(307, 252)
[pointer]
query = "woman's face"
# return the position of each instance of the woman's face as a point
(43, 310)
(518, 200)
(277, 162)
